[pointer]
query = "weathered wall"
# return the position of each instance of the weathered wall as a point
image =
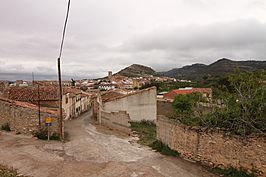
(213, 148)
(116, 120)
(140, 106)
(165, 107)
(23, 119)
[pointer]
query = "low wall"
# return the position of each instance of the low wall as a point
(24, 117)
(214, 147)
(116, 120)
(165, 107)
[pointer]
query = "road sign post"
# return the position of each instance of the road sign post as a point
(48, 123)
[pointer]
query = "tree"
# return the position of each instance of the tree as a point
(245, 104)
(184, 104)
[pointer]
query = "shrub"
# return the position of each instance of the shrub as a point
(55, 136)
(164, 149)
(42, 134)
(232, 172)
(6, 127)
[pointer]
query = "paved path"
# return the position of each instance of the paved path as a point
(90, 153)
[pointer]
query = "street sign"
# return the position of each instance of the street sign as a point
(48, 123)
(48, 120)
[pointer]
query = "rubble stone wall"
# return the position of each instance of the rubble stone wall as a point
(116, 120)
(165, 107)
(22, 119)
(213, 147)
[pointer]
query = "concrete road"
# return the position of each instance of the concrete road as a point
(90, 153)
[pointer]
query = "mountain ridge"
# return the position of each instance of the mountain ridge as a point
(195, 71)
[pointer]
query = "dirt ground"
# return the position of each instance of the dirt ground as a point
(90, 152)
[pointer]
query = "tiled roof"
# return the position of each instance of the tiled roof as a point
(28, 105)
(113, 95)
(107, 96)
(173, 93)
(31, 93)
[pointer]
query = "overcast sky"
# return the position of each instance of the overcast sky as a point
(107, 35)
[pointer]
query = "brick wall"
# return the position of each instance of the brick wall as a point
(213, 147)
(24, 119)
(116, 120)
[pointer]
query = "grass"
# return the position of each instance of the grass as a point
(6, 127)
(147, 136)
(232, 172)
(8, 172)
(146, 131)
(164, 149)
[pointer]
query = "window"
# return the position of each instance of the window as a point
(66, 100)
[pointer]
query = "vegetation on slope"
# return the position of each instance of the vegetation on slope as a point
(8, 172)
(244, 105)
(147, 136)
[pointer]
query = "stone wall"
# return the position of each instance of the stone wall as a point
(140, 106)
(213, 147)
(116, 120)
(165, 107)
(23, 117)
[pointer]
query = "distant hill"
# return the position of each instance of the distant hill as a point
(220, 67)
(136, 70)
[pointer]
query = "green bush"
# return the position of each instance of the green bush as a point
(6, 127)
(55, 136)
(164, 149)
(232, 172)
(43, 135)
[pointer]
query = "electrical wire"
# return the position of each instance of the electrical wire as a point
(64, 30)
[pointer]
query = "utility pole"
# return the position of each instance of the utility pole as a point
(39, 106)
(60, 119)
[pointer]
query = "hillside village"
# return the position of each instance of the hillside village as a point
(122, 104)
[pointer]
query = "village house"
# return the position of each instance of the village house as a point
(205, 92)
(47, 96)
(107, 86)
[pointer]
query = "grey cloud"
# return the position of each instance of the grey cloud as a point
(109, 35)
(243, 39)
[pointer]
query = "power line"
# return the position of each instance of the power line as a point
(64, 30)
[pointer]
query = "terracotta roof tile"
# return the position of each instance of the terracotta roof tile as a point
(31, 93)
(112, 95)
(173, 93)
(28, 105)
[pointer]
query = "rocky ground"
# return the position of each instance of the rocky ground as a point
(90, 152)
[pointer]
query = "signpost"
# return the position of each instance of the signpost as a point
(48, 123)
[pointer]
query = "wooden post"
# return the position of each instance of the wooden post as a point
(60, 118)
(39, 107)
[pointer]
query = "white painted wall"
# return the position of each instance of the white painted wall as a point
(141, 106)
